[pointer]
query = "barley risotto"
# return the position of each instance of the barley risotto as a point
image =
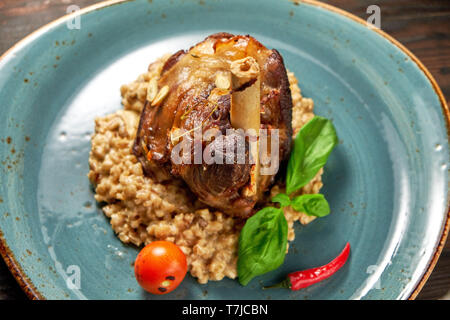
(142, 211)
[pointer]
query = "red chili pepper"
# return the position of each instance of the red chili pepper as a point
(302, 279)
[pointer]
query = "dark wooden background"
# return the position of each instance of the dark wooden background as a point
(423, 26)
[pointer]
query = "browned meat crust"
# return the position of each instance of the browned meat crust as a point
(194, 102)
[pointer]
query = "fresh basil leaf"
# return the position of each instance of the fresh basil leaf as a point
(283, 199)
(312, 146)
(311, 204)
(262, 244)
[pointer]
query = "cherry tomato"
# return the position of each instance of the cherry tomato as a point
(160, 267)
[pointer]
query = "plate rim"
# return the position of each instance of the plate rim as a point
(28, 286)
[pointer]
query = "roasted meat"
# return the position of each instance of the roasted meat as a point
(215, 87)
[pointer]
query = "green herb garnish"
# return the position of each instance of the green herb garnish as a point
(312, 146)
(282, 199)
(263, 240)
(262, 244)
(311, 204)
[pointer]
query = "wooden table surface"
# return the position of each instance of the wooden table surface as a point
(423, 26)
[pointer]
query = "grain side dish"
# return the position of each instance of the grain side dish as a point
(141, 210)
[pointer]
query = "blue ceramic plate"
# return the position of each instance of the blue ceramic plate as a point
(386, 181)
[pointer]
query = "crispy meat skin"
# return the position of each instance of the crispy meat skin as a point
(194, 102)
